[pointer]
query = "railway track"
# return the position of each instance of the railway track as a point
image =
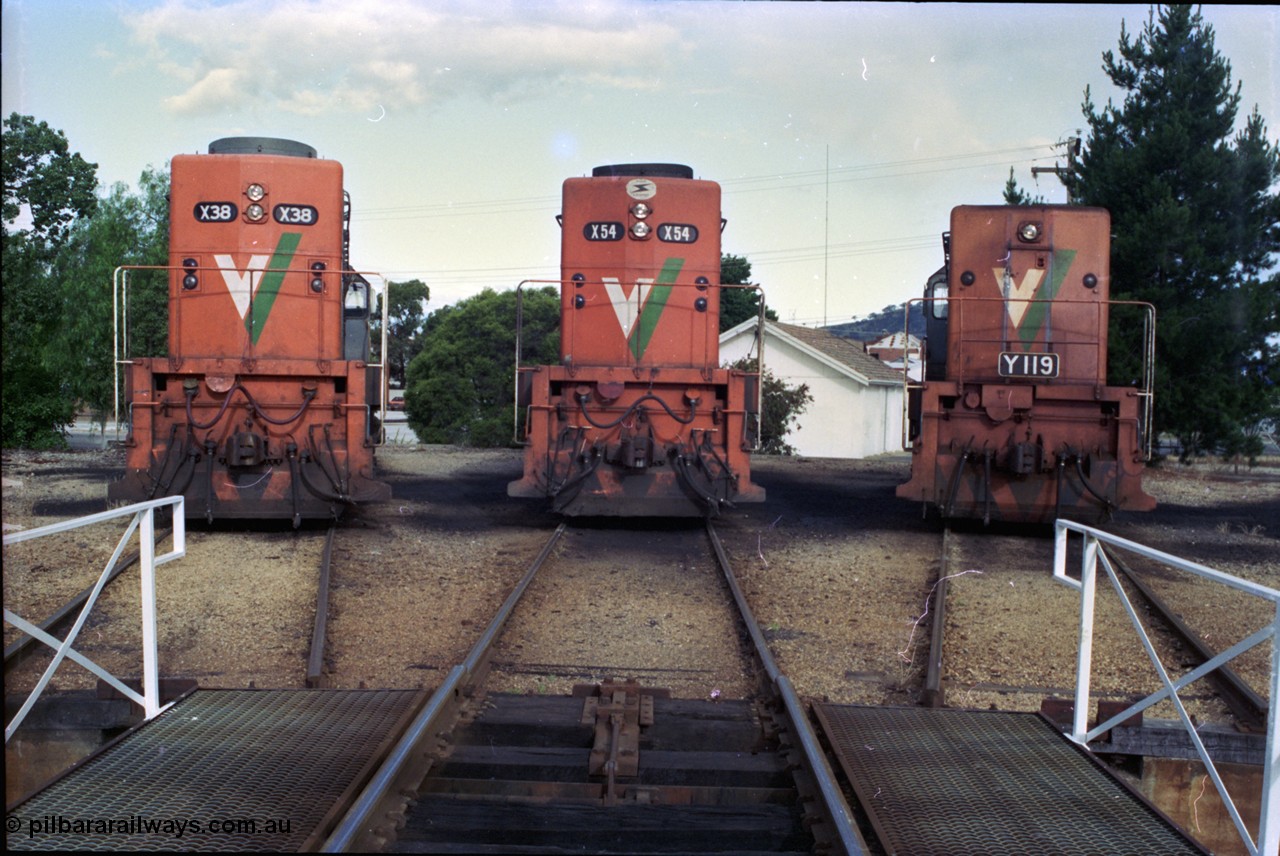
(24, 648)
(614, 765)
(1011, 572)
(60, 620)
(320, 628)
(1248, 708)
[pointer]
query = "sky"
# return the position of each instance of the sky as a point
(842, 134)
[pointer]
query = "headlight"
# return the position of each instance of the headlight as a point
(255, 212)
(640, 230)
(255, 192)
(1029, 232)
(640, 210)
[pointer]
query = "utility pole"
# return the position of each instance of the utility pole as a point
(1073, 151)
(826, 238)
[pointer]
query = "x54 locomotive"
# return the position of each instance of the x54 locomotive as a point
(265, 406)
(638, 418)
(1014, 420)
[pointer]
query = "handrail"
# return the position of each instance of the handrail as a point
(120, 330)
(1145, 391)
(760, 322)
(143, 515)
(1269, 822)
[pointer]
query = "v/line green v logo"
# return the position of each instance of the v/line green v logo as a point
(258, 285)
(1028, 317)
(638, 312)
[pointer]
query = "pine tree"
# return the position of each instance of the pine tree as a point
(1195, 226)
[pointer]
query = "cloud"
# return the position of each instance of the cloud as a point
(326, 56)
(219, 88)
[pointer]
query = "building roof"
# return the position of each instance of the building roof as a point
(844, 354)
(895, 342)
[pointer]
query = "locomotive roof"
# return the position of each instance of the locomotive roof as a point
(261, 146)
(646, 170)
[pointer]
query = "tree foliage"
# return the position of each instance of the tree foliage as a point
(782, 407)
(44, 181)
(406, 317)
(47, 189)
(460, 387)
(1195, 225)
(128, 228)
(738, 304)
(1015, 195)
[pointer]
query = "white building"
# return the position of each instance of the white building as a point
(856, 410)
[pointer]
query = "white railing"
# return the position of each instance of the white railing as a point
(143, 516)
(1269, 822)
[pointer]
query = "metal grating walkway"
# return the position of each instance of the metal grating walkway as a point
(954, 782)
(239, 770)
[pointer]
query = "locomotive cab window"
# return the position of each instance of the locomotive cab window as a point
(937, 290)
(355, 300)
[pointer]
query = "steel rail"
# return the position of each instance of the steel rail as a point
(319, 630)
(934, 695)
(358, 820)
(835, 808)
(1246, 705)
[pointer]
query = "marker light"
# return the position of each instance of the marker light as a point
(317, 284)
(190, 280)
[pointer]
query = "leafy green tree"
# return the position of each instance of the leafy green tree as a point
(738, 304)
(46, 189)
(460, 388)
(1195, 225)
(127, 228)
(782, 407)
(405, 319)
(45, 181)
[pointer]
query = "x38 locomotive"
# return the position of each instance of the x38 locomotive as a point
(639, 418)
(1014, 420)
(265, 406)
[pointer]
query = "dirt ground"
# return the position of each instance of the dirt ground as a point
(837, 571)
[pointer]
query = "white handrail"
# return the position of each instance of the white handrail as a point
(143, 514)
(1269, 822)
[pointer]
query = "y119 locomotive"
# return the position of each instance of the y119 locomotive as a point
(639, 419)
(1014, 420)
(266, 405)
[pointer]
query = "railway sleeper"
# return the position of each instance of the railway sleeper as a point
(520, 777)
(441, 825)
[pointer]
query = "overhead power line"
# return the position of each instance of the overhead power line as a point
(773, 181)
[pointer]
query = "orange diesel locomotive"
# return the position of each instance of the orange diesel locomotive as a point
(265, 406)
(639, 419)
(1014, 420)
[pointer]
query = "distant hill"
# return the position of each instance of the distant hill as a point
(882, 323)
